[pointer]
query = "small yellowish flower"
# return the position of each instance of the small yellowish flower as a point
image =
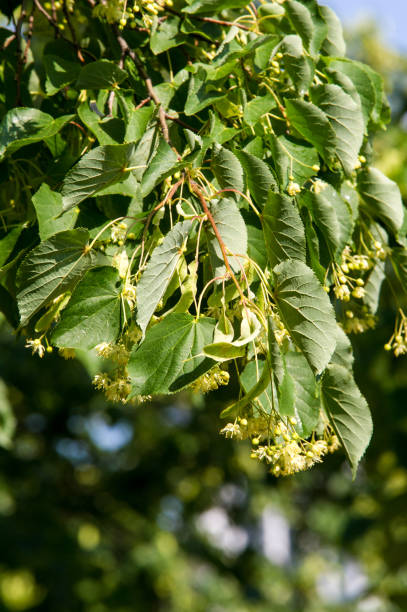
(121, 263)
(101, 381)
(129, 294)
(342, 292)
(280, 335)
(104, 349)
(293, 188)
(36, 346)
(333, 444)
(318, 186)
(67, 353)
(118, 390)
(118, 232)
(232, 430)
(358, 292)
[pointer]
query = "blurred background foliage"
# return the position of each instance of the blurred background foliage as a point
(107, 508)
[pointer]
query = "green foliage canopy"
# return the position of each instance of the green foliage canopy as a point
(186, 189)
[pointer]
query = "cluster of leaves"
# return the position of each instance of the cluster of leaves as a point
(206, 211)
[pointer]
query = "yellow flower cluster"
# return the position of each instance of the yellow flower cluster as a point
(121, 12)
(345, 285)
(358, 324)
(210, 381)
(281, 332)
(129, 294)
(118, 233)
(285, 451)
(116, 352)
(293, 456)
(115, 389)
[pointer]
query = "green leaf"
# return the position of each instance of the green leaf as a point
(102, 74)
(307, 401)
(144, 152)
(307, 23)
(24, 126)
(260, 384)
(256, 246)
(279, 394)
(306, 312)
(311, 237)
(301, 20)
(60, 73)
(313, 125)
(8, 243)
(93, 312)
(343, 353)
(351, 197)
(136, 119)
(381, 110)
(101, 127)
(228, 171)
(249, 378)
(166, 35)
(360, 77)
(381, 198)
(259, 178)
(50, 215)
(171, 355)
(257, 108)
(202, 93)
(283, 230)
(286, 393)
(196, 363)
(346, 119)
(331, 214)
(7, 420)
(292, 159)
(94, 171)
(219, 131)
(373, 286)
(53, 267)
(299, 67)
(348, 412)
(233, 232)
(334, 44)
(127, 187)
(159, 271)
(399, 261)
(163, 162)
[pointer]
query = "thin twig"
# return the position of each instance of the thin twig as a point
(47, 16)
(54, 11)
(20, 55)
(195, 188)
(180, 122)
(58, 31)
(149, 84)
(210, 20)
(73, 34)
(143, 102)
(221, 22)
(167, 198)
(110, 100)
(8, 42)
